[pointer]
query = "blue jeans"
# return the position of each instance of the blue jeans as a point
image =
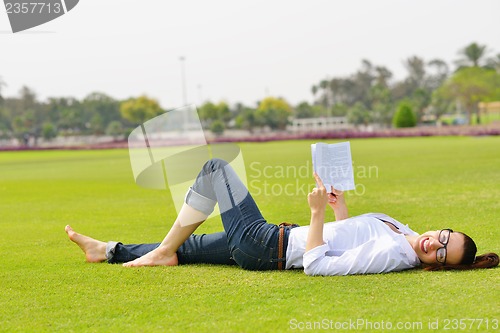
(248, 240)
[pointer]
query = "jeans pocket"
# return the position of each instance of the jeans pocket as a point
(245, 260)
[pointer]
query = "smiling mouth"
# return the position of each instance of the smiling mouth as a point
(424, 244)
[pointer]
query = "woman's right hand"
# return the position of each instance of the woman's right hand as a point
(318, 198)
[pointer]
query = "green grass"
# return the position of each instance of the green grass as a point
(429, 183)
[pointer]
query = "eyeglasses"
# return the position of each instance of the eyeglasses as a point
(444, 238)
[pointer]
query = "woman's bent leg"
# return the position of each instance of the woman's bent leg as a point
(252, 241)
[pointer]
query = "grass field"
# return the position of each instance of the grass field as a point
(429, 183)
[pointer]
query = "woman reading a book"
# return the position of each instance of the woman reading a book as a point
(370, 243)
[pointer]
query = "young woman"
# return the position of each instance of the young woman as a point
(369, 243)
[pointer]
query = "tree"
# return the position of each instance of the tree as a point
(383, 75)
(247, 119)
(441, 103)
(274, 112)
(49, 131)
(138, 110)
(472, 85)
(337, 110)
(25, 114)
(420, 100)
(439, 72)
(70, 116)
(115, 129)
(99, 110)
(359, 115)
(314, 91)
(2, 84)
(493, 63)
(210, 112)
(5, 124)
(404, 116)
(304, 110)
(381, 105)
(416, 72)
(472, 56)
(217, 127)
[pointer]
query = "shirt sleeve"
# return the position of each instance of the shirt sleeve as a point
(374, 256)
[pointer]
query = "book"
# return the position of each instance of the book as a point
(333, 164)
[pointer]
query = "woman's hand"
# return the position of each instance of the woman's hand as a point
(318, 198)
(336, 198)
(336, 201)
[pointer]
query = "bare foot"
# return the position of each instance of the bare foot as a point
(95, 251)
(154, 258)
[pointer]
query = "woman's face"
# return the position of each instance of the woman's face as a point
(428, 247)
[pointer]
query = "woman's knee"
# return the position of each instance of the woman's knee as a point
(214, 164)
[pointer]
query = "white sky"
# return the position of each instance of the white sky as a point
(237, 50)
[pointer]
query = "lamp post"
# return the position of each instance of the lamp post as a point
(183, 76)
(200, 95)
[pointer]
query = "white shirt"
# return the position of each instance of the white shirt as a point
(358, 245)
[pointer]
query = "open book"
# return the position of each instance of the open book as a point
(333, 164)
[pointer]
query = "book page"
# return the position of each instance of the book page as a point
(333, 164)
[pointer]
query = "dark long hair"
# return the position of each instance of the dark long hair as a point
(469, 259)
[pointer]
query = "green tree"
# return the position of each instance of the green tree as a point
(2, 84)
(115, 129)
(438, 73)
(70, 117)
(404, 116)
(274, 112)
(138, 110)
(49, 131)
(25, 114)
(247, 119)
(470, 86)
(210, 112)
(493, 63)
(217, 127)
(416, 72)
(96, 124)
(304, 110)
(337, 110)
(471, 56)
(5, 124)
(359, 115)
(440, 104)
(99, 110)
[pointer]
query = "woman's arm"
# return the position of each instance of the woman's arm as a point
(317, 200)
(336, 201)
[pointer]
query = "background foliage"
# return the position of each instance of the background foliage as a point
(368, 96)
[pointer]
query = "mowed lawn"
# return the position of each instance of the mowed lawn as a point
(429, 183)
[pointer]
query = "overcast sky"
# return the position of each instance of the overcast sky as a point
(239, 51)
